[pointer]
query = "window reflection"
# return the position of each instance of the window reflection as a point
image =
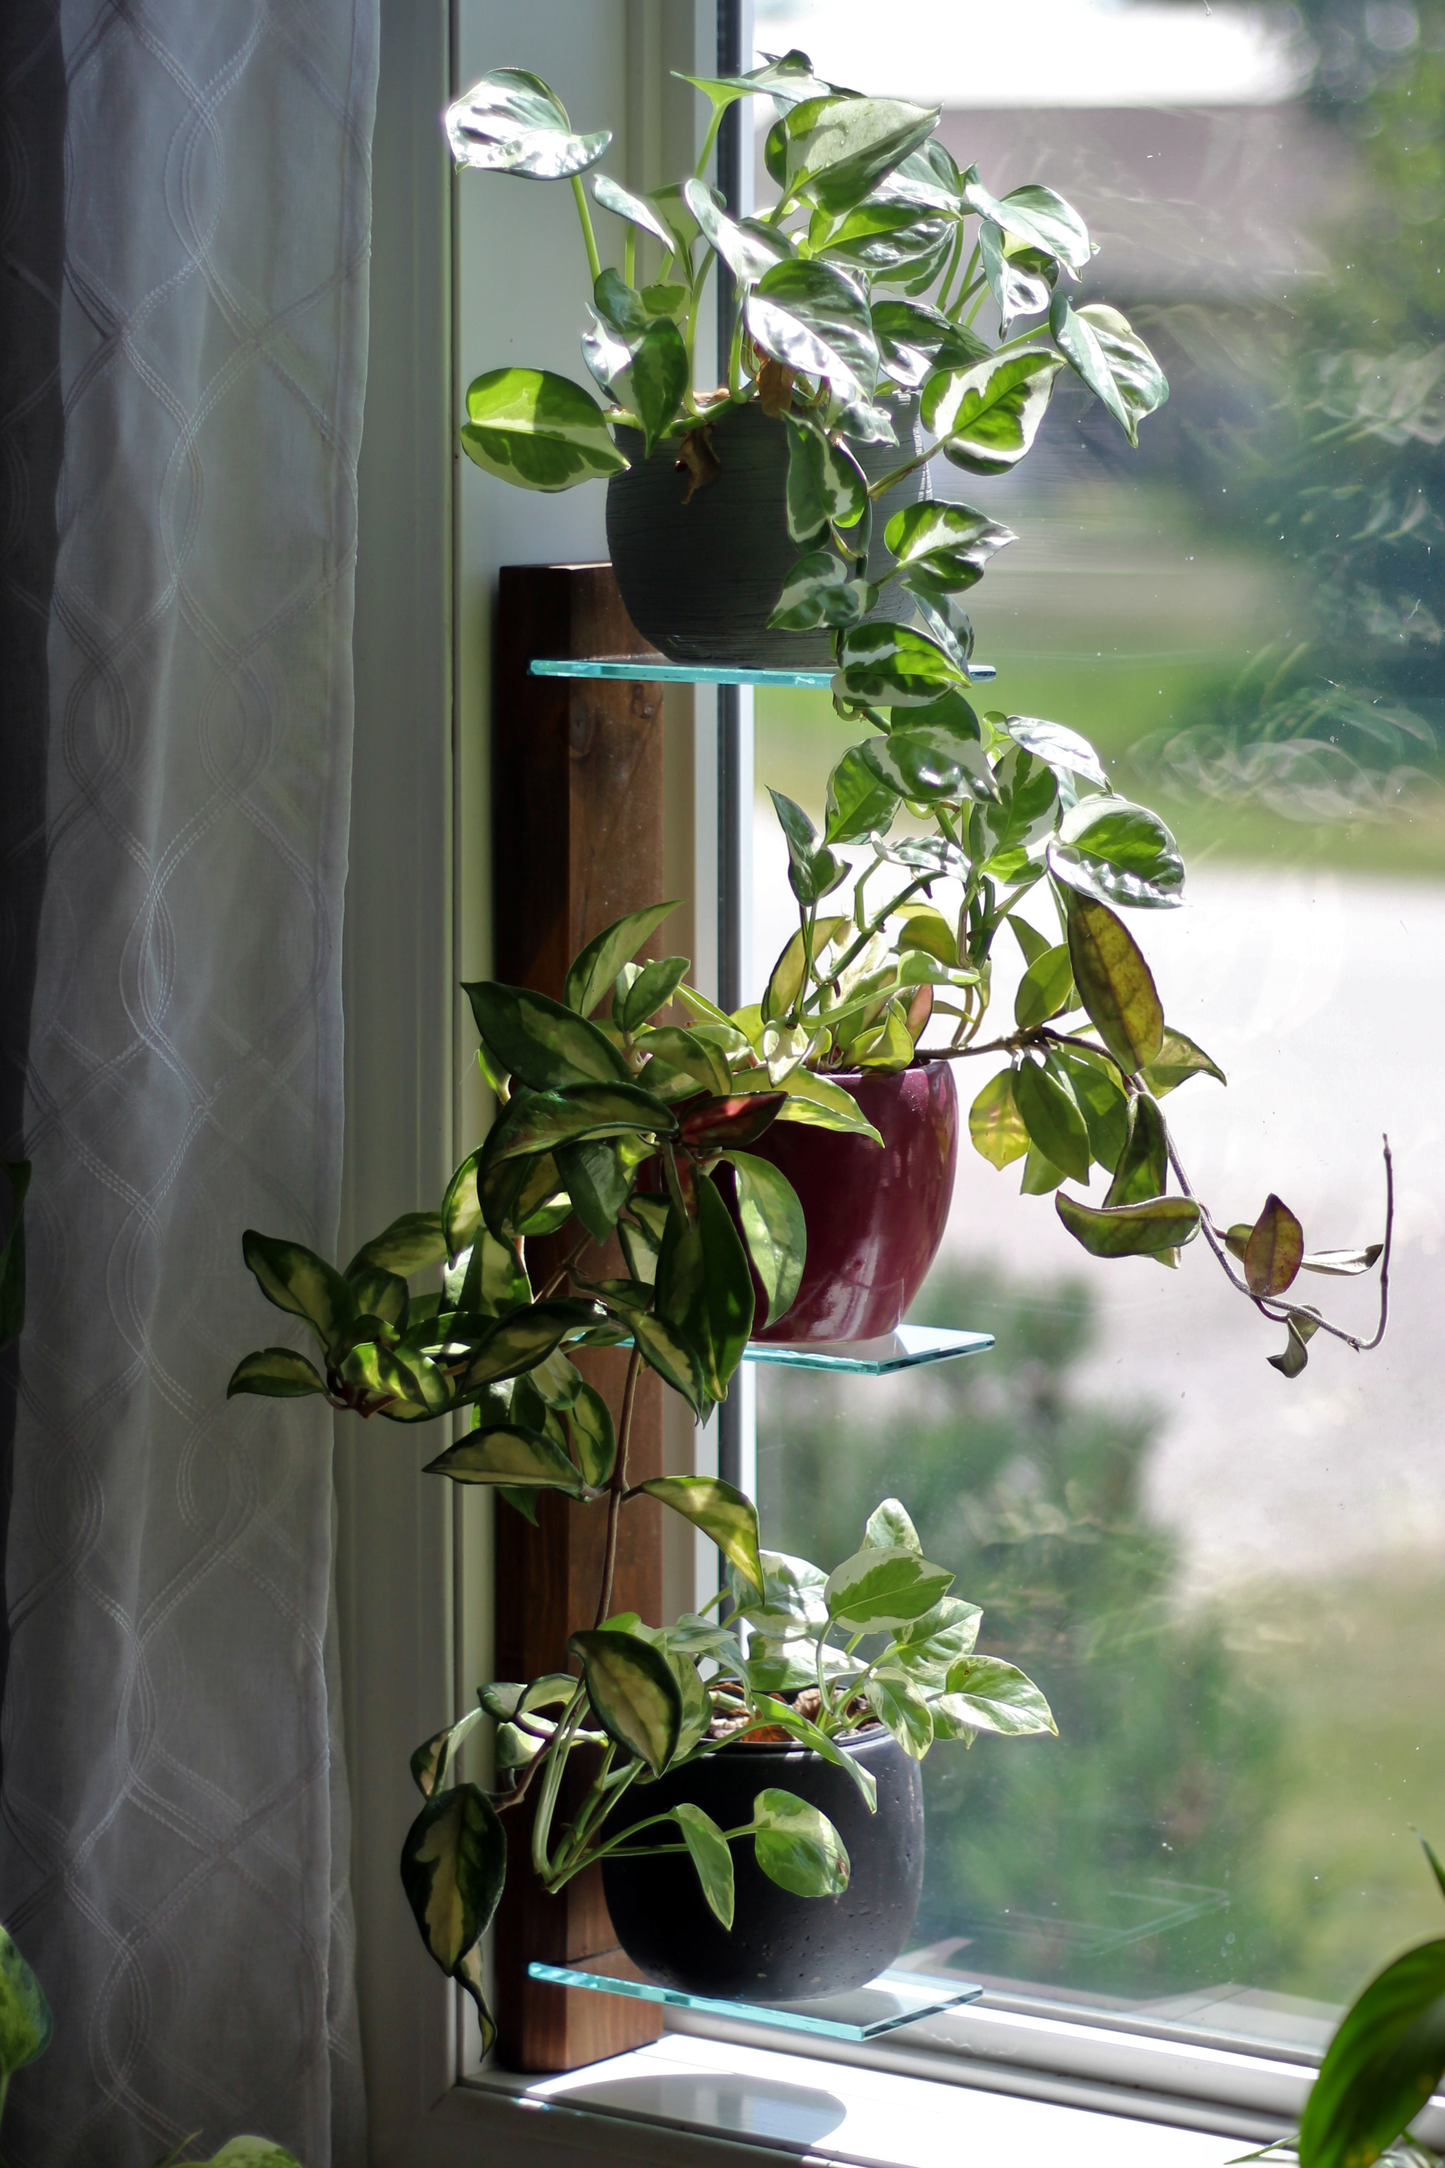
(1227, 1584)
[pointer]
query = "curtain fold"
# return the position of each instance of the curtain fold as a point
(172, 1849)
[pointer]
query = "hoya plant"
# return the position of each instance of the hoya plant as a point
(865, 284)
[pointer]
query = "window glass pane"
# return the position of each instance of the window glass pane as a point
(1228, 1582)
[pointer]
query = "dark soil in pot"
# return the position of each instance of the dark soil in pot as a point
(700, 579)
(781, 1948)
(875, 1218)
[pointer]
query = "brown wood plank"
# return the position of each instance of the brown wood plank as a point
(577, 780)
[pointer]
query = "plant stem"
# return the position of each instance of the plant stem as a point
(629, 256)
(618, 1484)
(594, 261)
(556, 1760)
(956, 252)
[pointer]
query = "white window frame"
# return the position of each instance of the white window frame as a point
(413, 1620)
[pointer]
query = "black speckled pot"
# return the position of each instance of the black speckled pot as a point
(700, 579)
(781, 1948)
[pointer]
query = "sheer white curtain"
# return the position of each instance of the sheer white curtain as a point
(173, 1850)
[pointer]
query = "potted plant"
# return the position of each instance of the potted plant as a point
(778, 518)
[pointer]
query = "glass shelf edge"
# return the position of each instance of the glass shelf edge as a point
(910, 1347)
(915, 1997)
(642, 669)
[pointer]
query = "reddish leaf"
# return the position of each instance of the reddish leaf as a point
(728, 1125)
(1275, 1247)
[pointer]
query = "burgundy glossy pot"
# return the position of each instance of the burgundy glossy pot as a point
(875, 1218)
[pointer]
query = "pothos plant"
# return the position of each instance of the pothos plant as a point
(863, 285)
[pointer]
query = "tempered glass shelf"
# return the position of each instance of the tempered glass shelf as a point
(893, 1999)
(903, 1349)
(642, 669)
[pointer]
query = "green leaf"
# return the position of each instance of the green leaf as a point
(597, 1181)
(858, 805)
(430, 1761)
(278, 1372)
(819, 590)
(1343, 1264)
(1142, 1170)
(1274, 1251)
(1040, 1174)
(1020, 279)
(594, 1440)
(797, 1847)
(248, 2152)
(1044, 988)
(915, 340)
(986, 417)
(381, 1294)
(928, 1647)
(774, 1229)
(1120, 853)
(574, 1113)
(889, 1528)
(1301, 1326)
(789, 78)
(512, 122)
(748, 248)
(1114, 983)
(406, 1246)
(1131, 1230)
(819, 1103)
(1035, 215)
(792, 1601)
(988, 1695)
(651, 990)
(1178, 1059)
(898, 1703)
(668, 1351)
(1105, 350)
(525, 1459)
(815, 319)
(813, 870)
(297, 1280)
(1063, 749)
(485, 1279)
(1104, 1106)
(837, 149)
(895, 666)
(1382, 2065)
(633, 1693)
(25, 2020)
(951, 543)
(614, 197)
(453, 1865)
(1045, 1099)
(722, 1513)
(654, 383)
(879, 1590)
(995, 1123)
(826, 485)
(542, 1043)
(594, 969)
(709, 1853)
(704, 1287)
(520, 1341)
(929, 766)
(537, 430)
(693, 1058)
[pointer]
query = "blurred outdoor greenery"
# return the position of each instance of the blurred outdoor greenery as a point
(1230, 1800)
(1247, 617)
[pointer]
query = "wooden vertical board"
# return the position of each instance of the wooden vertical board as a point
(578, 842)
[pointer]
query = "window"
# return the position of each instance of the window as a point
(1222, 1578)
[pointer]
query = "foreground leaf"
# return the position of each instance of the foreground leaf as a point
(25, 2020)
(633, 1693)
(508, 1454)
(1130, 1230)
(813, 319)
(543, 1043)
(537, 430)
(774, 1229)
(594, 970)
(724, 1514)
(297, 1280)
(708, 1850)
(995, 1124)
(881, 1590)
(278, 1372)
(797, 1847)
(988, 416)
(406, 1246)
(453, 1865)
(1114, 983)
(1382, 2065)
(989, 1695)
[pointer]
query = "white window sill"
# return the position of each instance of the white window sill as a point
(819, 2111)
